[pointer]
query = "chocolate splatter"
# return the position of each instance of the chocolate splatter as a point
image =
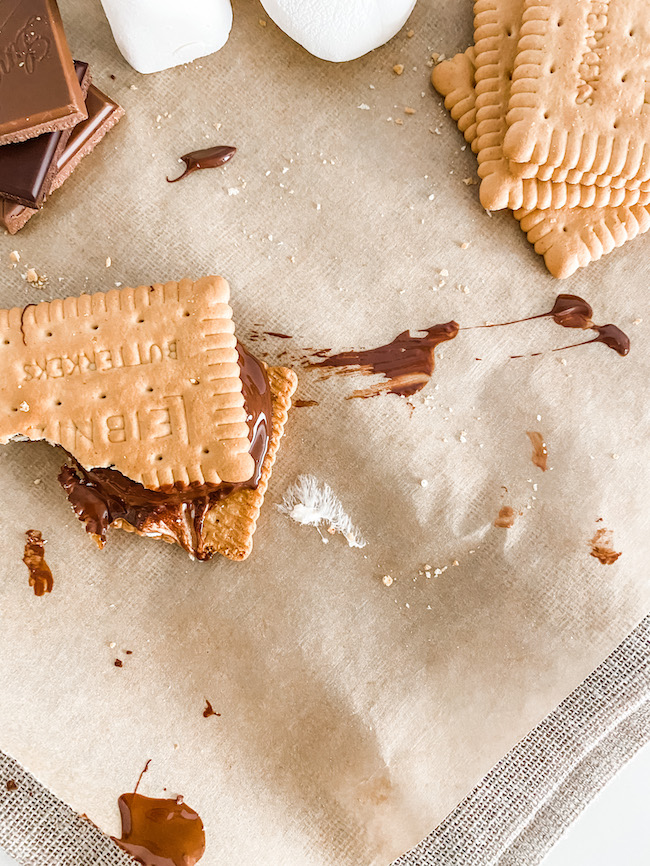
(160, 832)
(602, 547)
(540, 454)
(11, 785)
(40, 576)
(300, 404)
(407, 362)
(506, 518)
(211, 157)
(208, 711)
(118, 663)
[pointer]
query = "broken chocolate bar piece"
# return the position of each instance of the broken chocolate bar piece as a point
(39, 90)
(103, 114)
(28, 168)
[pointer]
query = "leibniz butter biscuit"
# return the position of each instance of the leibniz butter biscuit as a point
(454, 80)
(570, 238)
(144, 380)
(496, 33)
(580, 97)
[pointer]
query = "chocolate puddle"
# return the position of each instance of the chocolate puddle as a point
(540, 454)
(209, 711)
(407, 362)
(211, 157)
(100, 496)
(40, 576)
(160, 832)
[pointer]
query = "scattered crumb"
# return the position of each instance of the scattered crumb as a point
(118, 663)
(462, 437)
(455, 562)
(14, 257)
(399, 121)
(108, 261)
(364, 106)
(233, 191)
(470, 181)
(387, 580)
(635, 322)
(410, 34)
(31, 275)
(424, 483)
(615, 456)
(409, 110)
(262, 22)
(464, 245)
(133, 87)
(112, 644)
(398, 68)
(602, 547)
(506, 517)
(37, 481)
(24, 407)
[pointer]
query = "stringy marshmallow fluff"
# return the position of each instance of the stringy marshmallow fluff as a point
(339, 30)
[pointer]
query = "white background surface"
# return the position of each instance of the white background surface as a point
(614, 830)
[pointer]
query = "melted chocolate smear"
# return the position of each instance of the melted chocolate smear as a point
(407, 363)
(540, 454)
(279, 336)
(40, 576)
(208, 711)
(211, 157)
(99, 497)
(299, 404)
(571, 311)
(602, 547)
(160, 832)
(506, 518)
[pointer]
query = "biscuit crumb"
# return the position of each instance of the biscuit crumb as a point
(262, 22)
(14, 256)
(112, 644)
(387, 580)
(31, 276)
(108, 261)
(424, 483)
(364, 106)
(399, 121)
(398, 68)
(455, 562)
(410, 34)
(409, 110)
(464, 245)
(24, 407)
(636, 321)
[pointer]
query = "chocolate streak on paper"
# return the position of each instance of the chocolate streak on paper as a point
(211, 157)
(100, 497)
(540, 454)
(506, 518)
(40, 576)
(407, 363)
(160, 832)
(209, 711)
(571, 311)
(602, 547)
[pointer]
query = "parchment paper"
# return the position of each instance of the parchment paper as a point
(354, 716)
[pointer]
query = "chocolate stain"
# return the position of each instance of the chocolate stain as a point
(40, 576)
(99, 497)
(300, 404)
(407, 362)
(279, 336)
(208, 711)
(118, 663)
(211, 157)
(602, 547)
(160, 832)
(11, 785)
(540, 454)
(506, 518)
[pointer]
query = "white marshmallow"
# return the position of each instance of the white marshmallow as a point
(156, 34)
(339, 29)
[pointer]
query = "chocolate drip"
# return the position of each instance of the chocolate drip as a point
(160, 832)
(610, 335)
(40, 576)
(211, 157)
(100, 496)
(407, 362)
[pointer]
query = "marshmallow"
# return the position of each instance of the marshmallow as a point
(156, 34)
(339, 29)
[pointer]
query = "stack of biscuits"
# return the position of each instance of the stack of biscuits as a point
(554, 98)
(51, 116)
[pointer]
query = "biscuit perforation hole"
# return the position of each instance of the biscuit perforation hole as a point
(206, 450)
(6, 342)
(57, 403)
(94, 327)
(48, 333)
(159, 457)
(149, 389)
(187, 313)
(140, 321)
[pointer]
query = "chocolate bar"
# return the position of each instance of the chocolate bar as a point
(39, 90)
(103, 114)
(28, 168)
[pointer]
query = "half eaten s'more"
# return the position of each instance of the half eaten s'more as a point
(171, 425)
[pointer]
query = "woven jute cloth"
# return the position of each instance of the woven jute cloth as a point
(512, 818)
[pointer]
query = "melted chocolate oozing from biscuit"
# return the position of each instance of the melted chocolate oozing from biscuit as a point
(100, 496)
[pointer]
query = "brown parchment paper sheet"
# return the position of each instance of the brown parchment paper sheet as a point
(354, 716)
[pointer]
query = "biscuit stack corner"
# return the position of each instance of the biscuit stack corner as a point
(554, 98)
